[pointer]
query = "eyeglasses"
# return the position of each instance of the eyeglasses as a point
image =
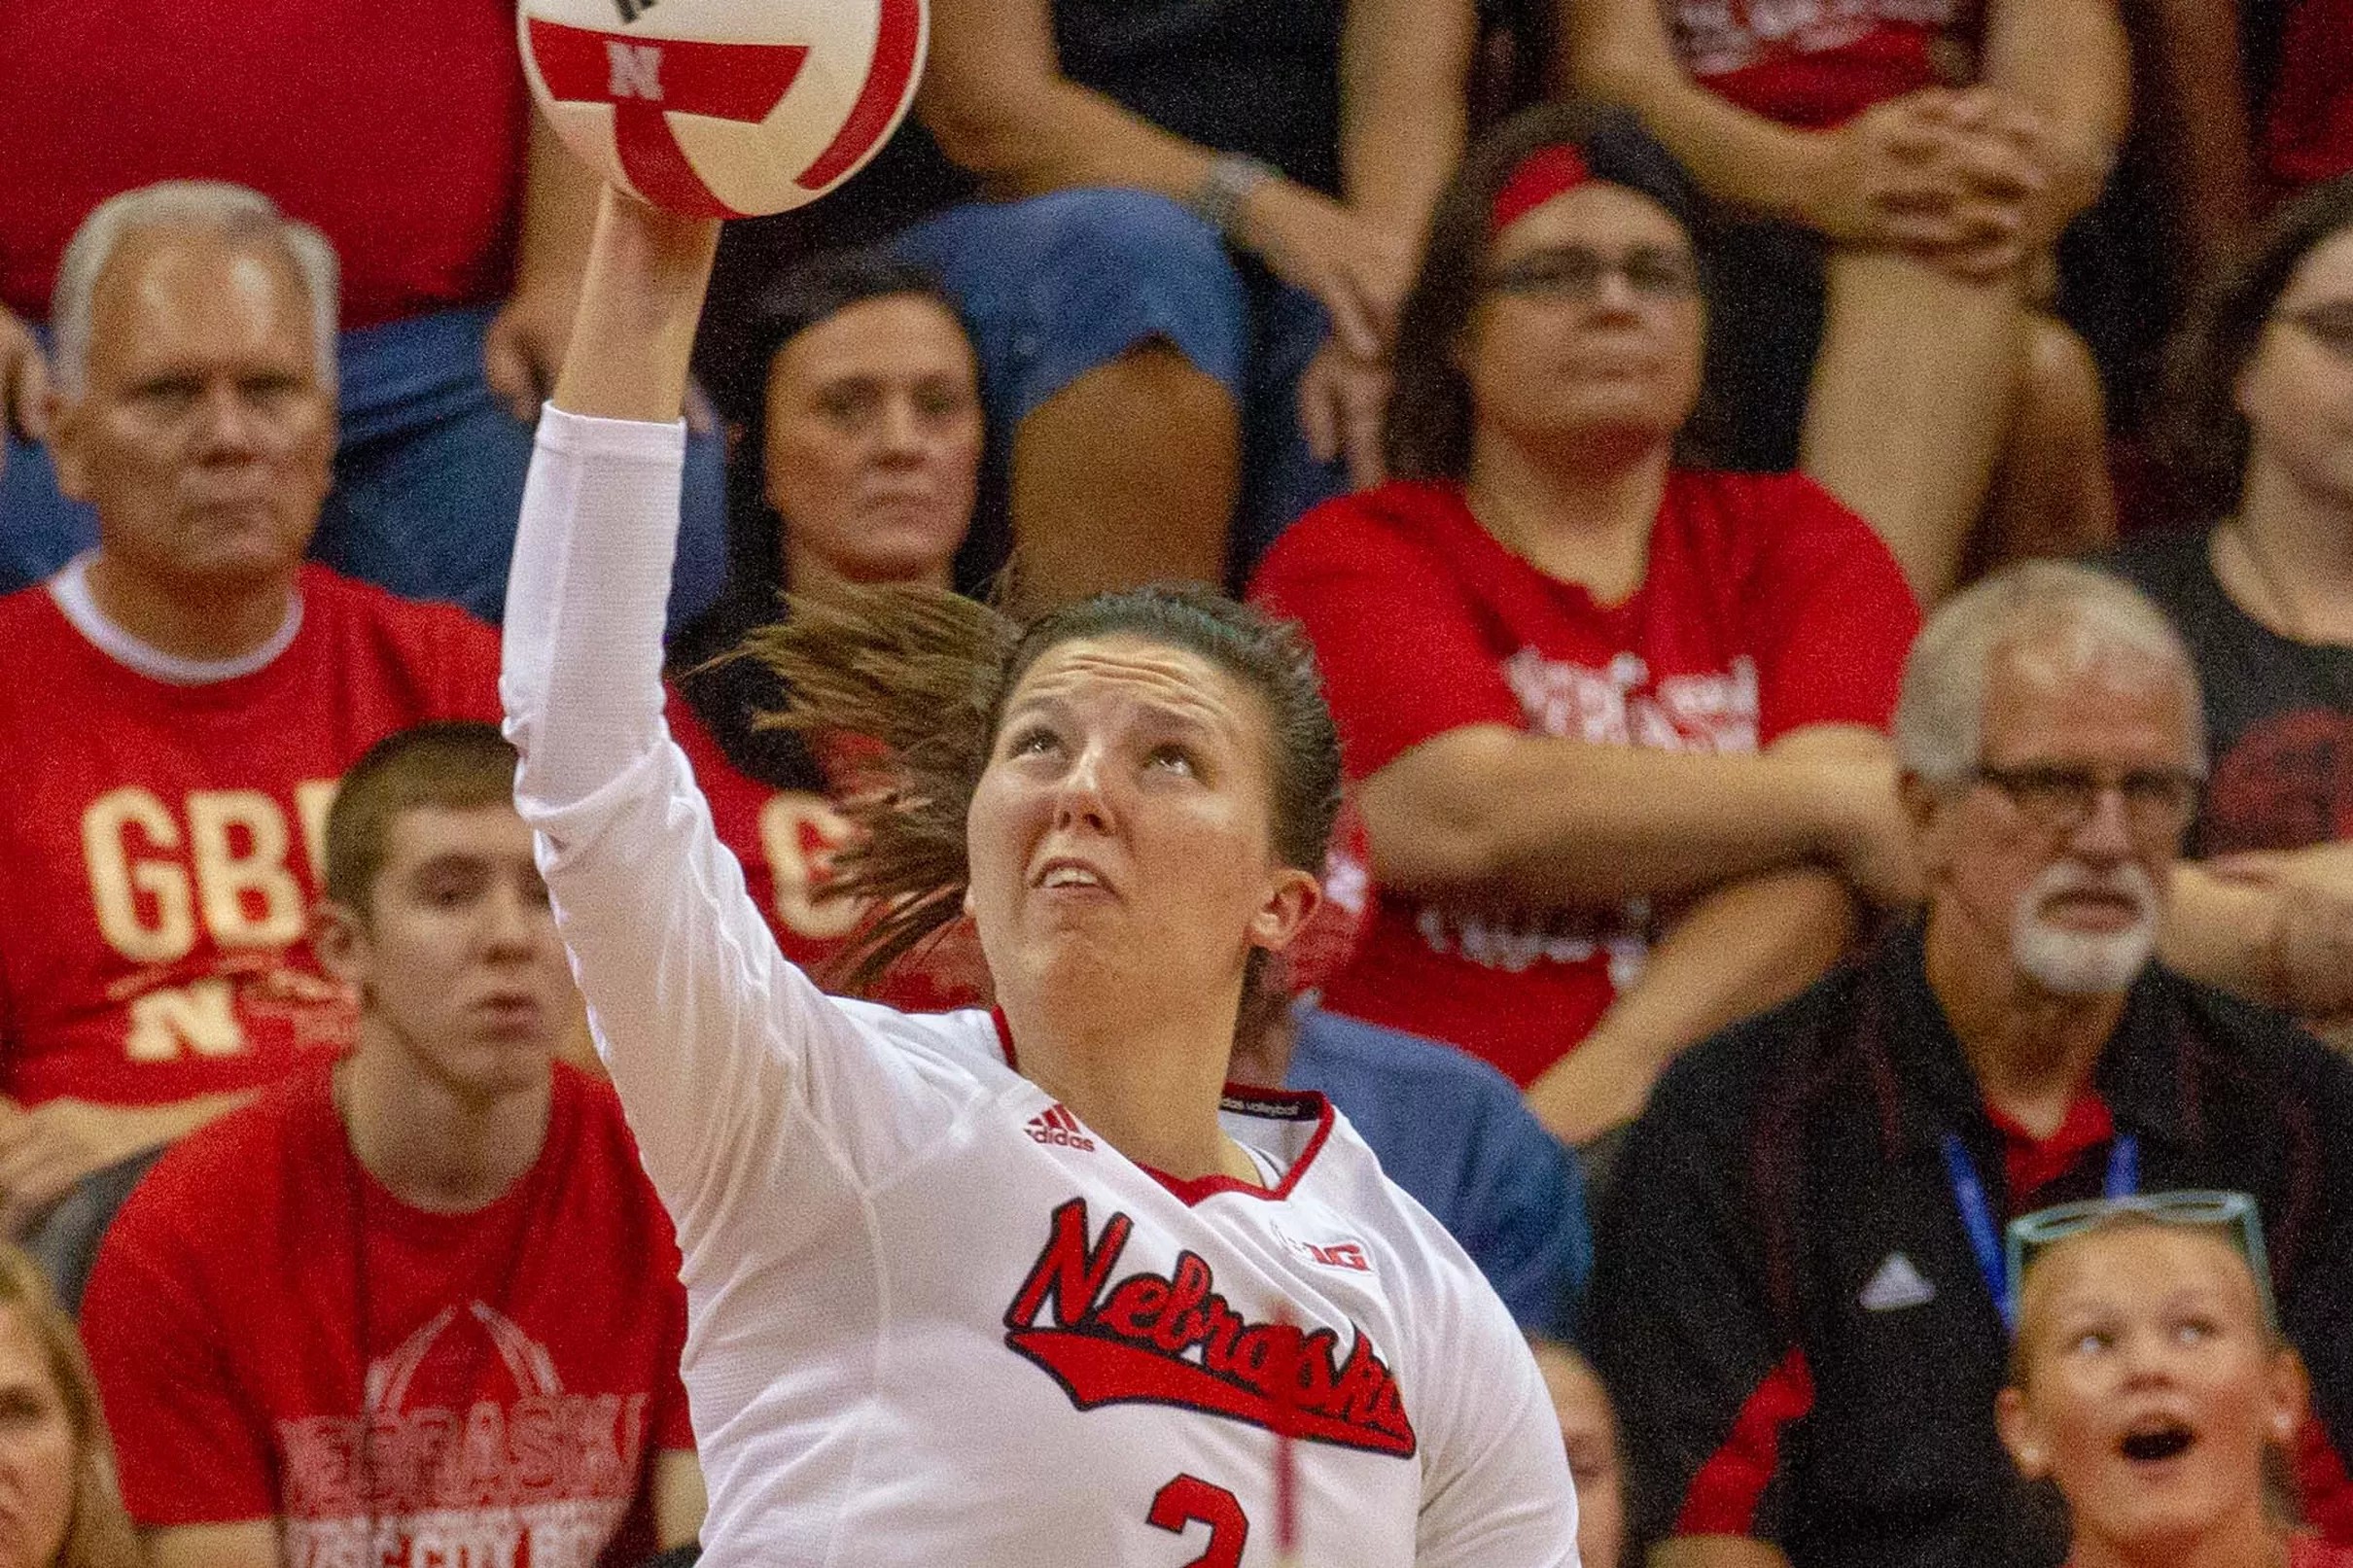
(2056, 799)
(2328, 324)
(2233, 1214)
(1574, 274)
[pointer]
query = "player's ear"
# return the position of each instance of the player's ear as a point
(1291, 896)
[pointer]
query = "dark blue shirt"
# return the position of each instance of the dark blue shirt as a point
(1455, 1134)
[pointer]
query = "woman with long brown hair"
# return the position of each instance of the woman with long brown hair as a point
(1013, 1288)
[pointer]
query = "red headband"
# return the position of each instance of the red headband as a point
(1545, 173)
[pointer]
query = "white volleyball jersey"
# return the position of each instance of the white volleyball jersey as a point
(933, 1318)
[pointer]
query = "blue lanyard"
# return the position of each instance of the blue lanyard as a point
(1976, 1215)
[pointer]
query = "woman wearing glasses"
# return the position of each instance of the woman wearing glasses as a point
(1613, 718)
(2263, 450)
(2150, 1383)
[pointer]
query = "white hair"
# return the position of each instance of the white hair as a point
(2075, 619)
(232, 211)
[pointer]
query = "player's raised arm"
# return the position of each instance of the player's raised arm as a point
(585, 604)
(703, 1025)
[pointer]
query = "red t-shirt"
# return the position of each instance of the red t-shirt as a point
(520, 1362)
(162, 845)
(1767, 607)
(2309, 127)
(784, 840)
(398, 129)
(1818, 63)
(2030, 1163)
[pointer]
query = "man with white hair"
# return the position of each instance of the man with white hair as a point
(179, 702)
(1801, 1298)
(406, 134)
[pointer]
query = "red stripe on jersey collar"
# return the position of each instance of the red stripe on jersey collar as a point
(1294, 1104)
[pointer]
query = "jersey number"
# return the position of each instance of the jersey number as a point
(1190, 1500)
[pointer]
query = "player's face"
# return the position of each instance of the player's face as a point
(873, 450)
(1590, 328)
(36, 1451)
(204, 435)
(458, 962)
(1121, 838)
(2297, 391)
(2152, 1390)
(2071, 907)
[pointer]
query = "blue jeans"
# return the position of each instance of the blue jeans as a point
(1057, 284)
(428, 480)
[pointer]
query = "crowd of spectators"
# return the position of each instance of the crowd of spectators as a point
(1650, 410)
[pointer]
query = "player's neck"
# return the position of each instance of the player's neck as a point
(1149, 1085)
(206, 624)
(1583, 515)
(2245, 1540)
(433, 1146)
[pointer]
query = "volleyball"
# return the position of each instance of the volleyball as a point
(724, 108)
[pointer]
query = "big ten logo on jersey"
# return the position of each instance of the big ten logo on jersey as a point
(1349, 1255)
(1621, 704)
(221, 864)
(800, 833)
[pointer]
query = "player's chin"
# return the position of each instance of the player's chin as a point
(1083, 949)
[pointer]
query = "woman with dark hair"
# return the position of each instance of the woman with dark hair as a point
(1003, 1289)
(2262, 450)
(1614, 719)
(858, 462)
(863, 351)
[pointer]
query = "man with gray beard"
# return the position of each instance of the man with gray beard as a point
(1800, 1301)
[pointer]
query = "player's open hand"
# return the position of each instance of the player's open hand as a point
(24, 381)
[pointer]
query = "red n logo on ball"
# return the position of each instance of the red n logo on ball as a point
(647, 80)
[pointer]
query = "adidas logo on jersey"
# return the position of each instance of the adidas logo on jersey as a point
(1898, 1284)
(1055, 1124)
